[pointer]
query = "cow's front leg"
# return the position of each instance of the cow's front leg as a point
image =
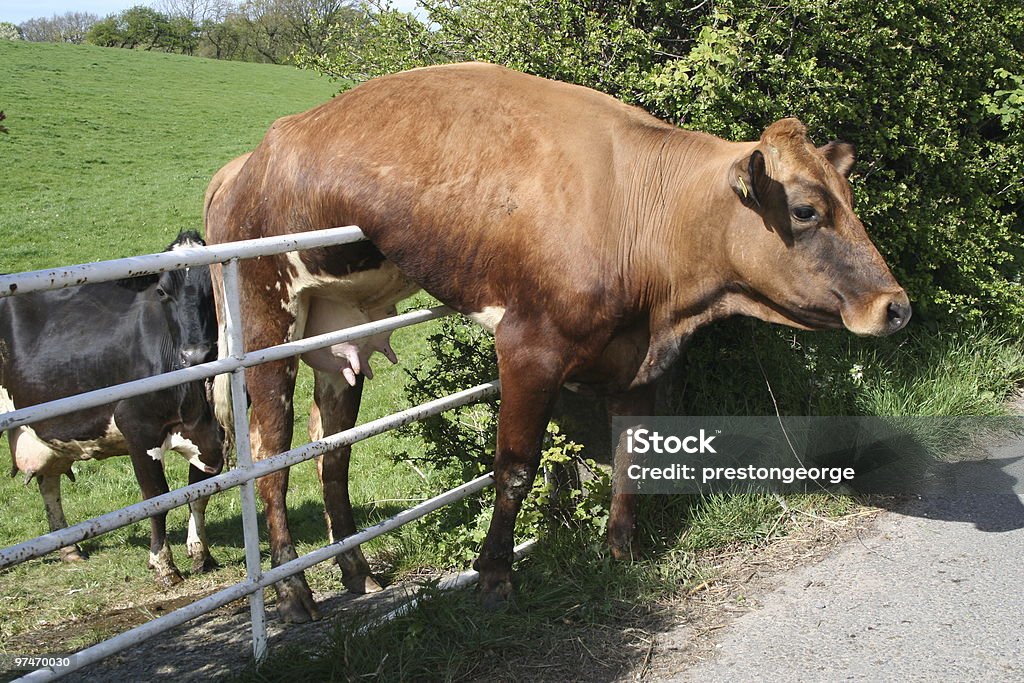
(270, 387)
(530, 379)
(337, 407)
(197, 543)
(622, 517)
(150, 474)
(209, 437)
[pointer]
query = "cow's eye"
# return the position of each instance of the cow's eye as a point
(161, 292)
(804, 213)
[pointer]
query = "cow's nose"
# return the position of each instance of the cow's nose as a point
(194, 355)
(898, 312)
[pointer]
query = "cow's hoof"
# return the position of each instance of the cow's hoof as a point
(361, 585)
(73, 553)
(496, 593)
(203, 564)
(295, 604)
(167, 579)
(624, 552)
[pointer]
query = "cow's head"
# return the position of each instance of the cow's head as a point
(186, 298)
(800, 251)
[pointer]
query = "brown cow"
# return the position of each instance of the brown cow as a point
(590, 237)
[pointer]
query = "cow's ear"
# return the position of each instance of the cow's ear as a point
(840, 155)
(140, 283)
(748, 173)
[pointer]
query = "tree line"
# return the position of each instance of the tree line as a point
(249, 30)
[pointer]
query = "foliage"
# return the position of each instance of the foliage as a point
(594, 43)
(70, 27)
(9, 31)
(269, 31)
(1007, 104)
(146, 28)
(918, 86)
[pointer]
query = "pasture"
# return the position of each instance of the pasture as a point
(108, 155)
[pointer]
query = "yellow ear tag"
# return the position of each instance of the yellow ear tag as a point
(743, 186)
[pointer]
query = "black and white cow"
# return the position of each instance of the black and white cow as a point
(59, 343)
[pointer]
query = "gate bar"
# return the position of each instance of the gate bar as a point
(133, 266)
(243, 454)
(99, 397)
(239, 590)
(47, 543)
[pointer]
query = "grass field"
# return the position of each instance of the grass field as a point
(109, 151)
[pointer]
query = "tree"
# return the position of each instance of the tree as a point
(279, 29)
(9, 31)
(106, 33)
(71, 27)
(144, 27)
(224, 38)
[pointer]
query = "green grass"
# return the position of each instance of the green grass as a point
(109, 151)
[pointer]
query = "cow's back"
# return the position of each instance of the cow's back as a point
(500, 173)
(64, 342)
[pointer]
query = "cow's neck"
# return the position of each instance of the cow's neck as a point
(677, 251)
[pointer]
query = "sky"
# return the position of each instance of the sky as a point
(17, 11)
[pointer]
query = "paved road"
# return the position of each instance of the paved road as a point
(936, 595)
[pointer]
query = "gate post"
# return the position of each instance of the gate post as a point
(243, 453)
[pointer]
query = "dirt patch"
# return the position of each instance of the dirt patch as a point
(219, 644)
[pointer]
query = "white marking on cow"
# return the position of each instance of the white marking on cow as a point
(196, 541)
(184, 447)
(489, 317)
(187, 244)
(34, 455)
(222, 409)
(6, 403)
(321, 304)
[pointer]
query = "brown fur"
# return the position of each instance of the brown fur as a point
(607, 236)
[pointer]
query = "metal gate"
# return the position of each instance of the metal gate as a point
(246, 471)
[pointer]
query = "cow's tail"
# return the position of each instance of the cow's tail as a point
(222, 408)
(213, 207)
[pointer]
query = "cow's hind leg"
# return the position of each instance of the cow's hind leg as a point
(270, 388)
(49, 486)
(337, 406)
(27, 452)
(530, 379)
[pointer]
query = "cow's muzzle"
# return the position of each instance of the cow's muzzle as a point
(879, 316)
(195, 355)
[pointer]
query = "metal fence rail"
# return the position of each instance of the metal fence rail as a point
(247, 470)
